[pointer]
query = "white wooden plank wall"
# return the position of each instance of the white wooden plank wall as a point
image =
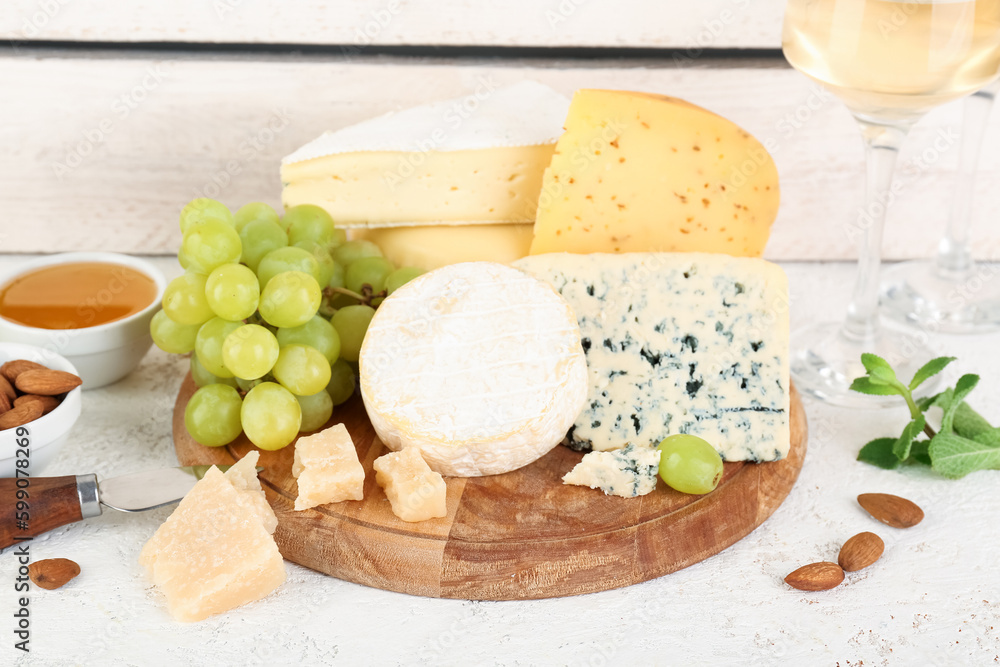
(607, 23)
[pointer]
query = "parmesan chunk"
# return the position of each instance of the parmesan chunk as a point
(327, 468)
(415, 492)
(215, 552)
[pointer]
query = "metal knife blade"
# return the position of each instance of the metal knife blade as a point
(147, 490)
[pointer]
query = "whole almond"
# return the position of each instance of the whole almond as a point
(891, 510)
(21, 415)
(48, 403)
(7, 389)
(12, 369)
(52, 573)
(860, 551)
(46, 382)
(820, 576)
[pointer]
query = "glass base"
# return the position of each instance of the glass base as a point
(917, 294)
(825, 361)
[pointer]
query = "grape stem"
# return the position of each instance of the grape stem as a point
(365, 298)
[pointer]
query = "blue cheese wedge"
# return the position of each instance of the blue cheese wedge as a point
(678, 343)
(627, 472)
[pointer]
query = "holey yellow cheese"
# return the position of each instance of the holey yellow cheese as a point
(477, 159)
(477, 365)
(438, 245)
(636, 172)
(215, 551)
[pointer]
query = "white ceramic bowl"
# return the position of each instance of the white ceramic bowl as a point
(46, 435)
(104, 353)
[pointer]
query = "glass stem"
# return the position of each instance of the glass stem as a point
(954, 256)
(882, 144)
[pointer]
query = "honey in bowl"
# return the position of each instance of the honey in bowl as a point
(76, 295)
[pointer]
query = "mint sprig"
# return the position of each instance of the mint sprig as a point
(965, 442)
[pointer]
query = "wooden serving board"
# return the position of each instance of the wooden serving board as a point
(518, 536)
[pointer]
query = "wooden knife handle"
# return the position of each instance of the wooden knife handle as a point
(30, 506)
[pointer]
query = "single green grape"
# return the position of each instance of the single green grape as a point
(286, 259)
(271, 416)
(256, 210)
(339, 239)
(202, 377)
(290, 299)
(184, 299)
(203, 208)
(210, 244)
(337, 277)
(307, 222)
(317, 333)
(232, 292)
(351, 251)
(260, 237)
(342, 382)
(351, 323)
(177, 338)
(208, 345)
(212, 416)
(368, 271)
(250, 351)
(400, 277)
(689, 464)
(323, 258)
(316, 411)
(301, 369)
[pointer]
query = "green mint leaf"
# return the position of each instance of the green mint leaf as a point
(919, 453)
(929, 370)
(935, 401)
(968, 423)
(865, 385)
(878, 452)
(989, 438)
(901, 448)
(954, 456)
(878, 367)
(963, 388)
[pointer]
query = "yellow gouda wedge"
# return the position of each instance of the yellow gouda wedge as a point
(215, 552)
(327, 468)
(636, 172)
(415, 492)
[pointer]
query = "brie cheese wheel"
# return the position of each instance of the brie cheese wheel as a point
(477, 365)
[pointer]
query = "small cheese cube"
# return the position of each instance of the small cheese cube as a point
(415, 492)
(327, 467)
(215, 552)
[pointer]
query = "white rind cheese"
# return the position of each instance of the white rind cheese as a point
(679, 343)
(477, 365)
(627, 472)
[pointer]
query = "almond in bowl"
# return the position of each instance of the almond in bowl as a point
(40, 400)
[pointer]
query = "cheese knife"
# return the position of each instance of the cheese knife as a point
(35, 505)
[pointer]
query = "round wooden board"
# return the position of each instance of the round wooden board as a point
(518, 536)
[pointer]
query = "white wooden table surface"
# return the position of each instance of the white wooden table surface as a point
(114, 113)
(933, 598)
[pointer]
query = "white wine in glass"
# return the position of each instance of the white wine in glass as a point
(890, 63)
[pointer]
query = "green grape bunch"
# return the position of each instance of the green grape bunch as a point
(273, 311)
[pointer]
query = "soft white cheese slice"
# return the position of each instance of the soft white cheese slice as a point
(477, 365)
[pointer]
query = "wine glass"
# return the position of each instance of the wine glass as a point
(890, 62)
(949, 293)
